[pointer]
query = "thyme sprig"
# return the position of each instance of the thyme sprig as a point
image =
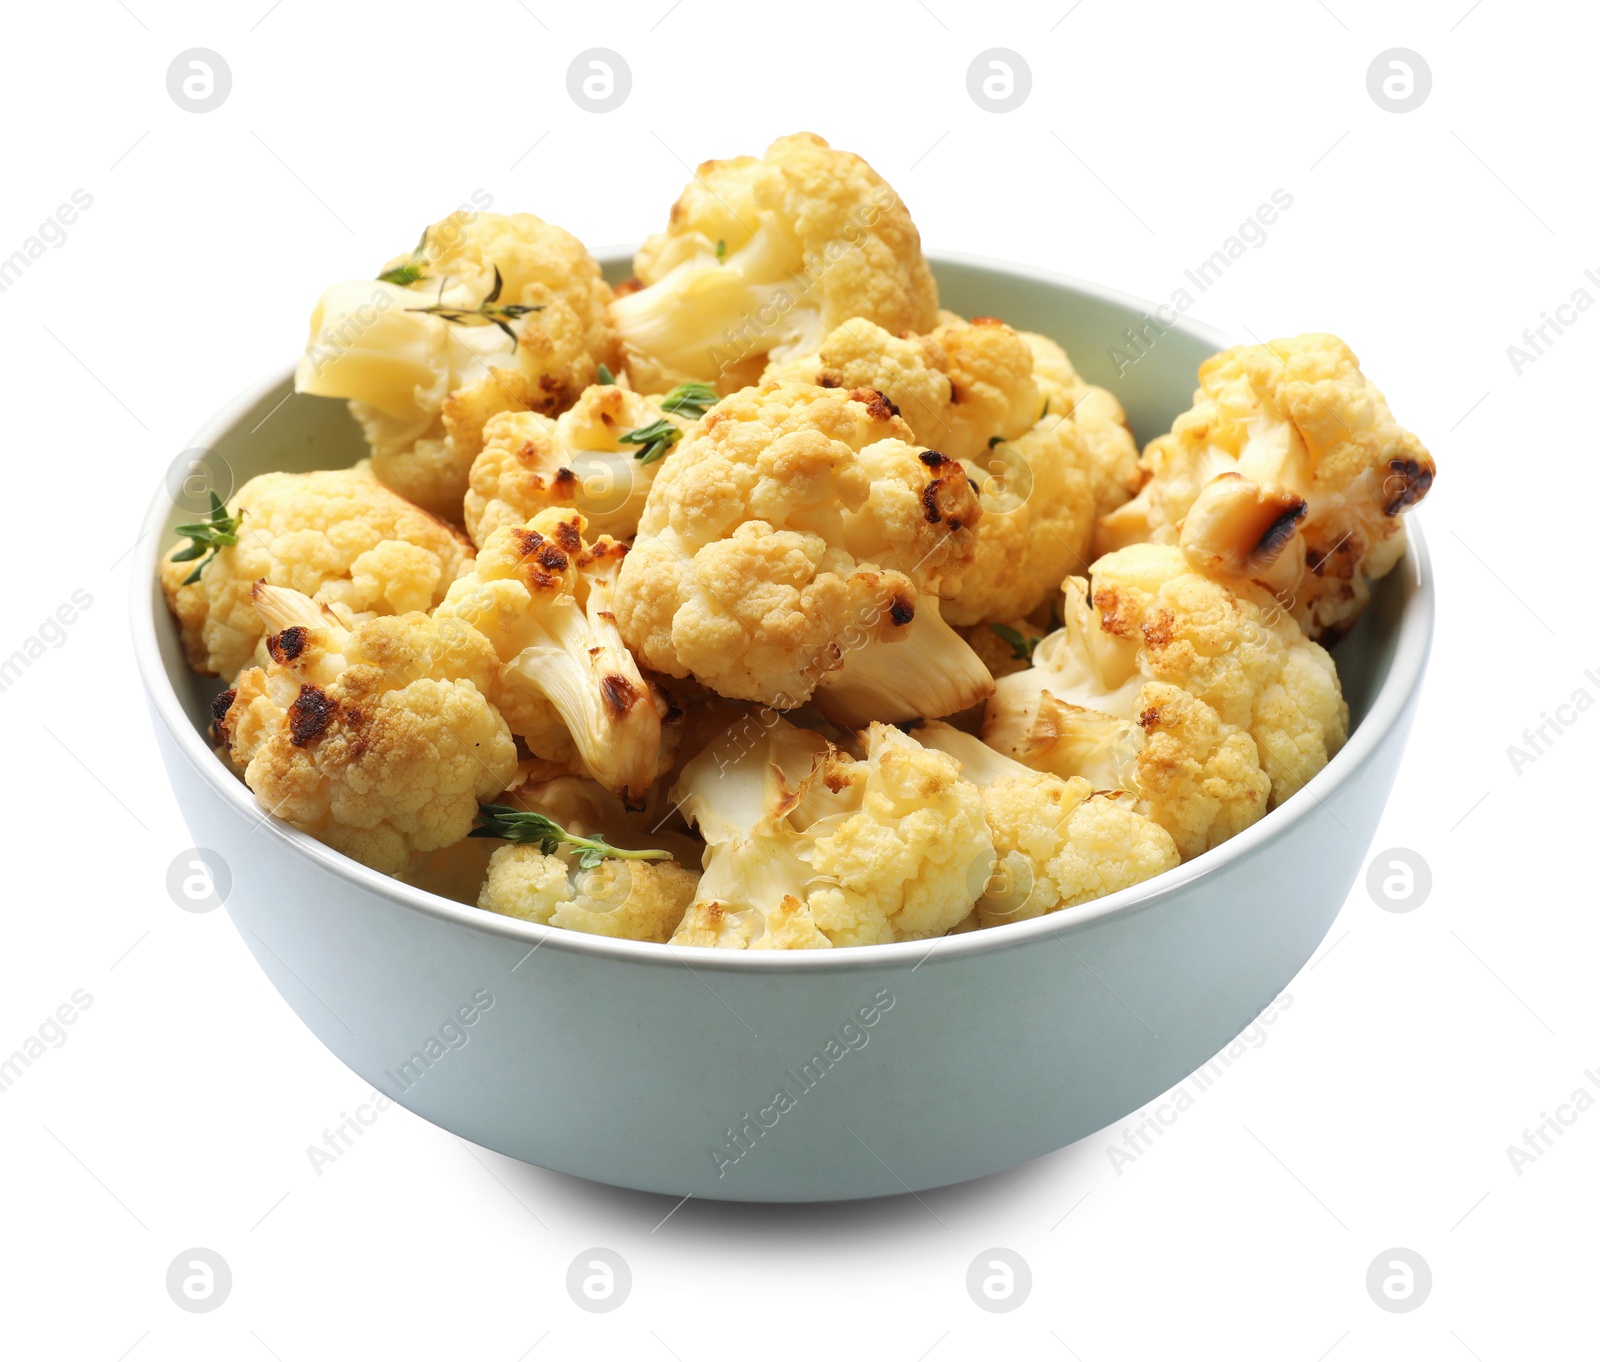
(690, 399)
(491, 309)
(656, 439)
(411, 270)
(1022, 645)
(525, 826)
(216, 531)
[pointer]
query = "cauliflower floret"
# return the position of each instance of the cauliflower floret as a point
(600, 457)
(763, 257)
(968, 391)
(1290, 471)
(809, 847)
(567, 685)
(377, 740)
(1202, 698)
(1057, 842)
(489, 313)
(797, 542)
(340, 537)
(632, 899)
(1098, 418)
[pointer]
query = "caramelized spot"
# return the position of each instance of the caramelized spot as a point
(879, 407)
(568, 537)
(933, 458)
(1149, 718)
(1158, 633)
(222, 704)
(629, 285)
(310, 715)
(902, 611)
(987, 321)
(1414, 479)
(288, 645)
(826, 380)
(620, 693)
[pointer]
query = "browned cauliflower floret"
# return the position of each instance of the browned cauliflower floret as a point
(340, 537)
(377, 740)
(567, 685)
(763, 257)
(599, 457)
(809, 847)
(1057, 843)
(489, 313)
(1203, 699)
(968, 390)
(796, 541)
(1289, 471)
(1097, 417)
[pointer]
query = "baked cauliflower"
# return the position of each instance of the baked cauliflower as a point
(378, 740)
(1057, 843)
(572, 875)
(968, 390)
(340, 537)
(1288, 471)
(599, 457)
(808, 847)
(490, 313)
(1198, 696)
(568, 686)
(1097, 418)
(797, 542)
(763, 257)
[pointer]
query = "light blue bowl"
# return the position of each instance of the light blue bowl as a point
(813, 1075)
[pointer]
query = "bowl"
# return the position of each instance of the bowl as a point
(800, 1076)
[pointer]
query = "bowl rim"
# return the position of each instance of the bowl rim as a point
(1395, 692)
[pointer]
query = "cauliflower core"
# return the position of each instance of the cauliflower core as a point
(968, 390)
(809, 847)
(489, 313)
(796, 541)
(1057, 842)
(377, 740)
(566, 683)
(1201, 698)
(340, 537)
(1289, 471)
(763, 257)
(529, 462)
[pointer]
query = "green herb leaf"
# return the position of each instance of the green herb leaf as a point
(490, 310)
(216, 531)
(407, 273)
(1046, 410)
(722, 250)
(1022, 645)
(656, 438)
(690, 399)
(526, 827)
(996, 440)
(605, 376)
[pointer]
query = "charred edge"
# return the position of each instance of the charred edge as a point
(529, 452)
(1149, 718)
(568, 537)
(826, 380)
(287, 645)
(621, 695)
(933, 458)
(219, 716)
(566, 480)
(879, 407)
(310, 715)
(1416, 479)
(902, 611)
(1280, 531)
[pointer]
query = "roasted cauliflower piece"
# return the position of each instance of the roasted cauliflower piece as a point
(340, 537)
(542, 596)
(1097, 418)
(808, 847)
(377, 740)
(489, 313)
(599, 457)
(1200, 697)
(763, 257)
(968, 390)
(1057, 843)
(797, 541)
(1289, 471)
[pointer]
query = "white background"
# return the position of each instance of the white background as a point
(1418, 1046)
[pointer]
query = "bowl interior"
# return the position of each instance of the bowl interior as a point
(274, 428)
